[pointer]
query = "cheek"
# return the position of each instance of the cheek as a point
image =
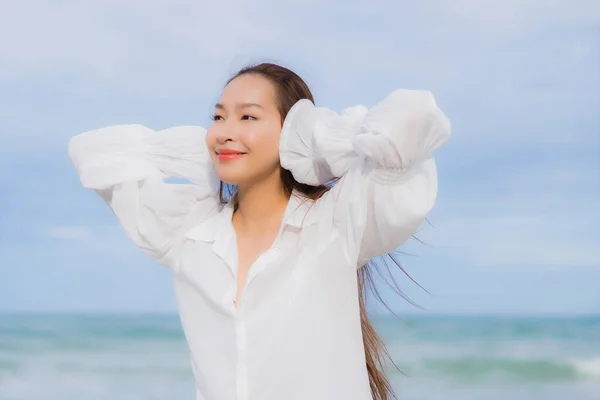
(211, 143)
(263, 142)
(211, 138)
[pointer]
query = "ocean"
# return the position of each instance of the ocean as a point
(144, 357)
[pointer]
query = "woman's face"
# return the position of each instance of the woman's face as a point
(244, 137)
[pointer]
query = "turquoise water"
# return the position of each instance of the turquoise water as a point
(145, 357)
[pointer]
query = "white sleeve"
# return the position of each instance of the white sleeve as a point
(127, 166)
(383, 157)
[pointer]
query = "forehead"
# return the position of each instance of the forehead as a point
(249, 88)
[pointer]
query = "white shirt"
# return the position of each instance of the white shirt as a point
(296, 332)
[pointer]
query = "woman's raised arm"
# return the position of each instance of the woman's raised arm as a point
(383, 159)
(127, 165)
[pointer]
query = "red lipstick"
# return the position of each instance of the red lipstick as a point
(229, 154)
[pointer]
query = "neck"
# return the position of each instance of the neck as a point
(261, 205)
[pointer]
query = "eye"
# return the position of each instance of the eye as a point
(216, 117)
(248, 117)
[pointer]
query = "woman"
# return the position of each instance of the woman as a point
(265, 252)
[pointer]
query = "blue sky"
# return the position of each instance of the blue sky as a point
(517, 224)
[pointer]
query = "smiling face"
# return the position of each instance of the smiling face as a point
(244, 137)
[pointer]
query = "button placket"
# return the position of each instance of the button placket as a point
(241, 369)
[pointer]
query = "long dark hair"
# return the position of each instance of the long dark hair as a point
(290, 89)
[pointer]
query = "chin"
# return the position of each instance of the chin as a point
(231, 177)
(240, 173)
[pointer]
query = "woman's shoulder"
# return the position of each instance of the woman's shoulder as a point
(309, 209)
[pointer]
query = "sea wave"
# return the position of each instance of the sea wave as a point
(587, 367)
(513, 370)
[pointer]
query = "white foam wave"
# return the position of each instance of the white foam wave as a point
(589, 367)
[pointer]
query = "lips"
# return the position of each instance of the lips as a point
(229, 154)
(229, 151)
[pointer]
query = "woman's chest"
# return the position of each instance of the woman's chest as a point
(296, 263)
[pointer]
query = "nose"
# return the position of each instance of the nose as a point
(222, 136)
(226, 132)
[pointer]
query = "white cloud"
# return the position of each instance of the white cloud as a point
(544, 215)
(182, 46)
(513, 240)
(157, 47)
(133, 43)
(70, 232)
(518, 17)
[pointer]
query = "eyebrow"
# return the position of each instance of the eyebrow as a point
(239, 105)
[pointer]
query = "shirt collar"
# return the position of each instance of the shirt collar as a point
(298, 214)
